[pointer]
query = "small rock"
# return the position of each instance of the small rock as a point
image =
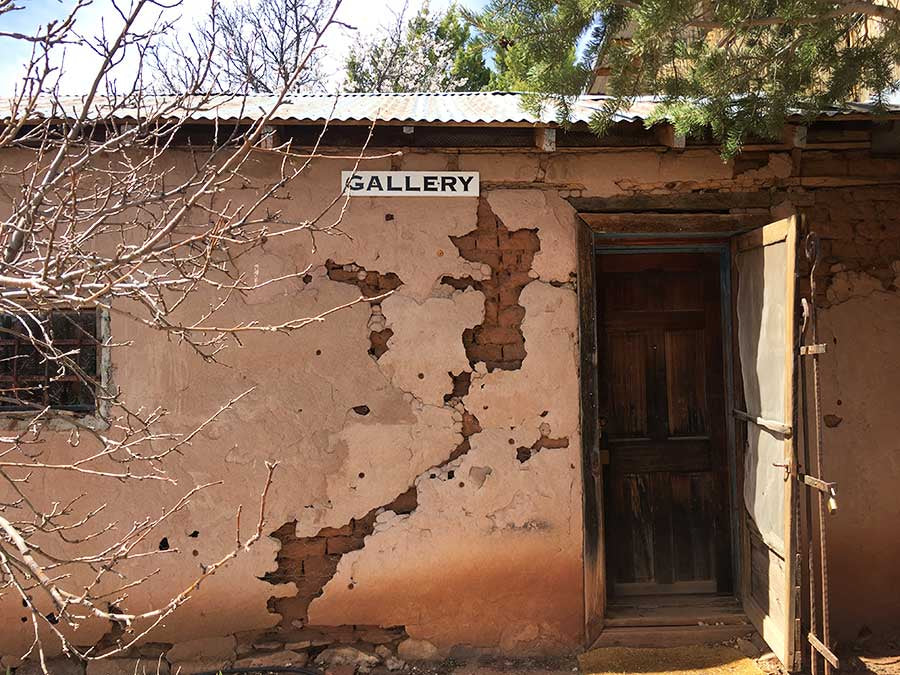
(769, 663)
(347, 656)
(203, 649)
(864, 635)
(298, 646)
(392, 663)
(126, 667)
(243, 649)
(417, 650)
(747, 648)
(759, 643)
(191, 667)
(59, 666)
(268, 646)
(282, 659)
(383, 652)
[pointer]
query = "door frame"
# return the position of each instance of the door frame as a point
(590, 244)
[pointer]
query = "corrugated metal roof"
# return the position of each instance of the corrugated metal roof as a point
(421, 108)
(487, 108)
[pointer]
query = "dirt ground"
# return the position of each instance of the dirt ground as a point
(871, 653)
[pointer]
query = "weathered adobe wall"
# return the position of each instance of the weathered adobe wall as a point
(429, 441)
(860, 323)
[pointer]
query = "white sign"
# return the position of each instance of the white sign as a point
(411, 183)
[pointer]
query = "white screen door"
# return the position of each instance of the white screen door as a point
(765, 323)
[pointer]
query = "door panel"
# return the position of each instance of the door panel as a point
(686, 382)
(663, 418)
(764, 262)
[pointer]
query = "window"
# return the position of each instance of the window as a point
(29, 380)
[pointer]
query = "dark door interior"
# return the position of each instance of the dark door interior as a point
(662, 416)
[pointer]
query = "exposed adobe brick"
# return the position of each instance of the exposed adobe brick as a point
(379, 339)
(470, 425)
(523, 454)
(311, 562)
(371, 285)
(859, 228)
(498, 341)
(461, 384)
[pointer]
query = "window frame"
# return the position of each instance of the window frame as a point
(64, 419)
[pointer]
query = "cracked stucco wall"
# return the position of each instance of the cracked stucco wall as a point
(488, 557)
(353, 432)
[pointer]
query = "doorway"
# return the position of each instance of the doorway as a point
(688, 370)
(662, 417)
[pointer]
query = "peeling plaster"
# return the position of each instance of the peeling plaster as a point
(511, 531)
(548, 383)
(484, 494)
(426, 344)
(555, 221)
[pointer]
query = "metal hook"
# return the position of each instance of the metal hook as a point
(813, 246)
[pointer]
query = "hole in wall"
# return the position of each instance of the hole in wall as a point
(164, 544)
(361, 409)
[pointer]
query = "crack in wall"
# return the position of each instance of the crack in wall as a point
(470, 423)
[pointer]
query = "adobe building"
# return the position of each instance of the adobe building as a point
(574, 404)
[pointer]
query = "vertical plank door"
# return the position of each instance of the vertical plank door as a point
(663, 422)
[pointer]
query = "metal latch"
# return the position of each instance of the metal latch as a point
(829, 489)
(808, 350)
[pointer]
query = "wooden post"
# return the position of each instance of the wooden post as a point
(271, 137)
(667, 136)
(545, 139)
(794, 135)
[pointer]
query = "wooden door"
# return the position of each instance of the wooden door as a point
(767, 345)
(662, 417)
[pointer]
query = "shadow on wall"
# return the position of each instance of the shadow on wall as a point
(861, 399)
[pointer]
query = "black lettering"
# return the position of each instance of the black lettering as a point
(429, 184)
(391, 187)
(410, 187)
(448, 183)
(465, 180)
(355, 182)
(375, 182)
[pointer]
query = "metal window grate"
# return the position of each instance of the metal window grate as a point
(32, 380)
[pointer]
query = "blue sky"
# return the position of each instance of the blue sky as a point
(78, 61)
